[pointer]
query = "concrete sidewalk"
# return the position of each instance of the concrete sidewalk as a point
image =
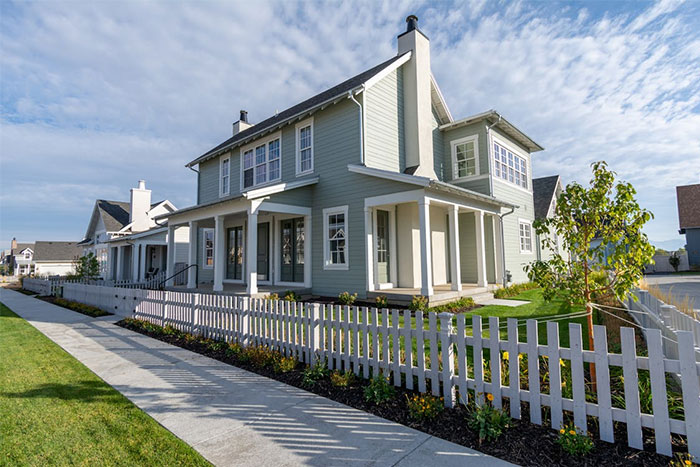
(231, 416)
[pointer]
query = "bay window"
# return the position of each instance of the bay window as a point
(509, 166)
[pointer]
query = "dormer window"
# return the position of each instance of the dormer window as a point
(262, 163)
(465, 157)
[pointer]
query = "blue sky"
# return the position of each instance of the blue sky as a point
(97, 95)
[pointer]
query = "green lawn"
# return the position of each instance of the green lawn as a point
(53, 410)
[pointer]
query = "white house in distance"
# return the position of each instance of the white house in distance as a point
(55, 258)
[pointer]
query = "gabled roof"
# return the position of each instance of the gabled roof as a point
(56, 251)
(296, 111)
(688, 198)
(500, 123)
(21, 247)
(115, 214)
(543, 190)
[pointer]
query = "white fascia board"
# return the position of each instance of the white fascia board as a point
(441, 99)
(385, 72)
(278, 188)
(443, 186)
(146, 233)
(388, 175)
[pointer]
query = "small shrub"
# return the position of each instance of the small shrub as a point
(285, 364)
(681, 459)
(315, 373)
(515, 289)
(261, 356)
(234, 350)
(346, 298)
(291, 296)
(190, 338)
(418, 303)
(674, 260)
(488, 421)
(457, 306)
(272, 296)
(425, 406)
(342, 380)
(382, 301)
(80, 307)
(573, 442)
(170, 331)
(218, 346)
(379, 390)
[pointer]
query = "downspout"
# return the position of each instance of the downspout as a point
(197, 172)
(503, 245)
(361, 109)
(489, 152)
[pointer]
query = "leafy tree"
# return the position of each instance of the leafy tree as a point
(87, 267)
(674, 260)
(600, 228)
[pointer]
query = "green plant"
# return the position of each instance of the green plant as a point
(272, 296)
(346, 298)
(681, 459)
(87, 267)
(169, 330)
(674, 260)
(315, 373)
(342, 379)
(218, 346)
(457, 306)
(291, 296)
(261, 356)
(234, 350)
(515, 289)
(573, 442)
(80, 307)
(379, 390)
(382, 301)
(284, 364)
(425, 406)
(418, 303)
(488, 421)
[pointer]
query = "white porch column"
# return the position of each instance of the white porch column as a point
(144, 252)
(219, 253)
(498, 248)
(455, 270)
(426, 264)
(170, 262)
(110, 261)
(252, 252)
(369, 248)
(135, 261)
(480, 249)
(307, 252)
(120, 263)
(192, 257)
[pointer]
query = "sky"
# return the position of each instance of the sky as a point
(97, 95)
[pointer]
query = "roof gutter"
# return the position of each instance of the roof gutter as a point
(361, 110)
(503, 246)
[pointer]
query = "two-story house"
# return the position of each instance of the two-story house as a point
(371, 187)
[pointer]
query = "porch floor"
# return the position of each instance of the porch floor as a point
(240, 289)
(441, 294)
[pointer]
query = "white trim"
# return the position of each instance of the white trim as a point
(309, 122)
(326, 246)
(395, 176)
(278, 188)
(204, 247)
(284, 208)
(453, 157)
(532, 237)
(502, 141)
(441, 98)
(252, 146)
(385, 72)
(391, 240)
(224, 190)
(510, 185)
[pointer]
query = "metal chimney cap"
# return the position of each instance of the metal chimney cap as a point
(244, 116)
(411, 23)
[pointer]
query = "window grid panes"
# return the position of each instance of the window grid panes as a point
(525, 237)
(305, 156)
(248, 168)
(262, 164)
(336, 238)
(465, 159)
(209, 248)
(509, 166)
(225, 174)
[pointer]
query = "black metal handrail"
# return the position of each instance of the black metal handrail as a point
(196, 275)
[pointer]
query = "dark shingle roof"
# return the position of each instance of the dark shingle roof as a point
(115, 214)
(688, 197)
(20, 247)
(543, 190)
(56, 251)
(308, 104)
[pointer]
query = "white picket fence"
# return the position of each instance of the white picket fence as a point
(53, 286)
(429, 351)
(651, 313)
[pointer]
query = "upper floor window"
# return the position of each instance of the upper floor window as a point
(305, 149)
(465, 157)
(525, 231)
(261, 164)
(509, 166)
(225, 180)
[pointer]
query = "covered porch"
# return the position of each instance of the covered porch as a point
(138, 257)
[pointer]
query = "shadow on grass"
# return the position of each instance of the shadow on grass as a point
(84, 391)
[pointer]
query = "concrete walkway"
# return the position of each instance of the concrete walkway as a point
(231, 416)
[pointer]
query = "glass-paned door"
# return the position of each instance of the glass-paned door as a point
(383, 246)
(234, 248)
(292, 258)
(264, 251)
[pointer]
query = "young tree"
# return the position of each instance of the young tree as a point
(608, 213)
(87, 267)
(674, 260)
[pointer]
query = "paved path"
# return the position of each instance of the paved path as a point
(680, 285)
(231, 416)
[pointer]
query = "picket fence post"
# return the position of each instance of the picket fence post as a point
(448, 361)
(315, 333)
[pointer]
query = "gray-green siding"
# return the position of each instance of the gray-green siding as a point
(384, 128)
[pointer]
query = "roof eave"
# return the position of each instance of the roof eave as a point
(528, 142)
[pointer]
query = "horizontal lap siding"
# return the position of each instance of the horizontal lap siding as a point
(515, 261)
(384, 139)
(464, 132)
(440, 162)
(208, 189)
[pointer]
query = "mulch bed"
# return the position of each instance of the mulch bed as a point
(522, 443)
(86, 310)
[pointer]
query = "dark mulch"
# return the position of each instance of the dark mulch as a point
(81, 308)
(25, 291)
(522, 443)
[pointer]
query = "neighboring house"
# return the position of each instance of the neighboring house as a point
(546, 191)
(126, 239)
(55, 258)
(371, 187)
(688, 199)
(21, 258)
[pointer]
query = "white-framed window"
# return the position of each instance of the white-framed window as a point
(525, 234)
(208, 248)
(465, 157)
(305, 147)
(27, 254)
(335, 243)
(262, 162)
(225, 176)
(509, 166)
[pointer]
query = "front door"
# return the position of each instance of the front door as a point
(264, 251)
(383, 246)
(234, 260)
(292, 260)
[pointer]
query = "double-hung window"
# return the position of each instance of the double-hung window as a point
(305, 148)
(525, 229)
(225, 180)
(262, 163)
(208, 253)
(335, 226)
(509, 166)
(465, 157)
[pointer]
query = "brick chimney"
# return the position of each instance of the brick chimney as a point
(13, 245)
(417, 99)
(140, 205)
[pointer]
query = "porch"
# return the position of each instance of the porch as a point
(241, 289)
(441, 294)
